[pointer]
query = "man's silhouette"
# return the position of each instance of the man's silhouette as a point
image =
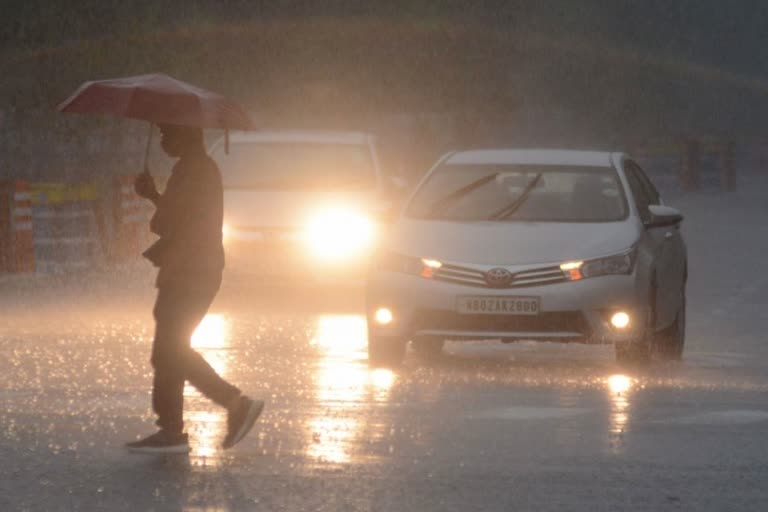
(190, 258)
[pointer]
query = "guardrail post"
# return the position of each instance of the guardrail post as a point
(22, 241)
(6, 202)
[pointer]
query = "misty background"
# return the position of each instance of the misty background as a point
(426, 77)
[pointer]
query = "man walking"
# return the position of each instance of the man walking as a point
(190, 257)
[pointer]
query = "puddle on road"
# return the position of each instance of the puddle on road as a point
(619, 388)
(345, 389)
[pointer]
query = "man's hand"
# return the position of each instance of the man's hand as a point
(145, 187)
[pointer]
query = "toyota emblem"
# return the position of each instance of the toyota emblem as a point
(498, 277)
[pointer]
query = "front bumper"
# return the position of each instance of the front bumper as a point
(575, 311)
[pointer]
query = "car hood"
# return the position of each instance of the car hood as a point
(255, 208)
(510, 243)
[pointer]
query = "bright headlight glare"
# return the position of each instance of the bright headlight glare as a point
(337, 234)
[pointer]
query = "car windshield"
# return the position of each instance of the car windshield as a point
(542, 193)
(295, 165)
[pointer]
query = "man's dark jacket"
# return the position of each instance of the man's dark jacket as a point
(188, 220)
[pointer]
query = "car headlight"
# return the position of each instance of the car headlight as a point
(339, 234)
(395, 262)
(621, 263)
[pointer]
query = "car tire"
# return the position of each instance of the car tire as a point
(671, 341)
(386, 350)
(428, 347)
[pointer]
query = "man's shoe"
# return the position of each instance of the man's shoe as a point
(241, 419)
(160, 442)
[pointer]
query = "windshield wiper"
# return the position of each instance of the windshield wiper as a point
(515, 205)
(454, 196)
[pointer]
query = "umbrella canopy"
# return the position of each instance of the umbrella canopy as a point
(158, 98)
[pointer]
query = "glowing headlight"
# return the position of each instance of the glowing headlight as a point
(572, 270)
(338, 234)
(617, 264)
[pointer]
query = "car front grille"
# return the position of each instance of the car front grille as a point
(543, 323)
(467, 276)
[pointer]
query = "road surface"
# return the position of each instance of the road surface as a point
(486, 427)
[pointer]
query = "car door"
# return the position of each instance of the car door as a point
(658, 241)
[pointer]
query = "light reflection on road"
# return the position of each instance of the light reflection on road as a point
(619, 394)
(343, 386)
(206, 423)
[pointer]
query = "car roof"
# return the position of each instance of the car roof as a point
(301, 136)
(531, 156)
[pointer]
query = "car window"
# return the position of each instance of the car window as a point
(295, 165)
(650, 189)
(542, 193)
(640, 193)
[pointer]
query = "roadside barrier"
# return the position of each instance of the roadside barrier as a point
(53, 228)
(5, 227)
(66, 236)
(21, 224)
(17, 253)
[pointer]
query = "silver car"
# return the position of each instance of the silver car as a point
(549, 245)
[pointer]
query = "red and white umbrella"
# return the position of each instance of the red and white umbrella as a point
(158, 98)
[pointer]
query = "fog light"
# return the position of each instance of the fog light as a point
(383, 316)
(620, 320)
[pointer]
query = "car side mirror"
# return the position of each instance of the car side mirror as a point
(662, 216)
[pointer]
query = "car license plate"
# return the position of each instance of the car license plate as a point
(472, 305)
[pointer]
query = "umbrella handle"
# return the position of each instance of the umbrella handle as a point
(146, 151)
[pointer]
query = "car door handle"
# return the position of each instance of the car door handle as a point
(668, 235)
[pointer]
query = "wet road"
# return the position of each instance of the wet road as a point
(486, 427)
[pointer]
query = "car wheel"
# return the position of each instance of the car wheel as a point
(428, 347)
(671, 341)
(386, 350)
